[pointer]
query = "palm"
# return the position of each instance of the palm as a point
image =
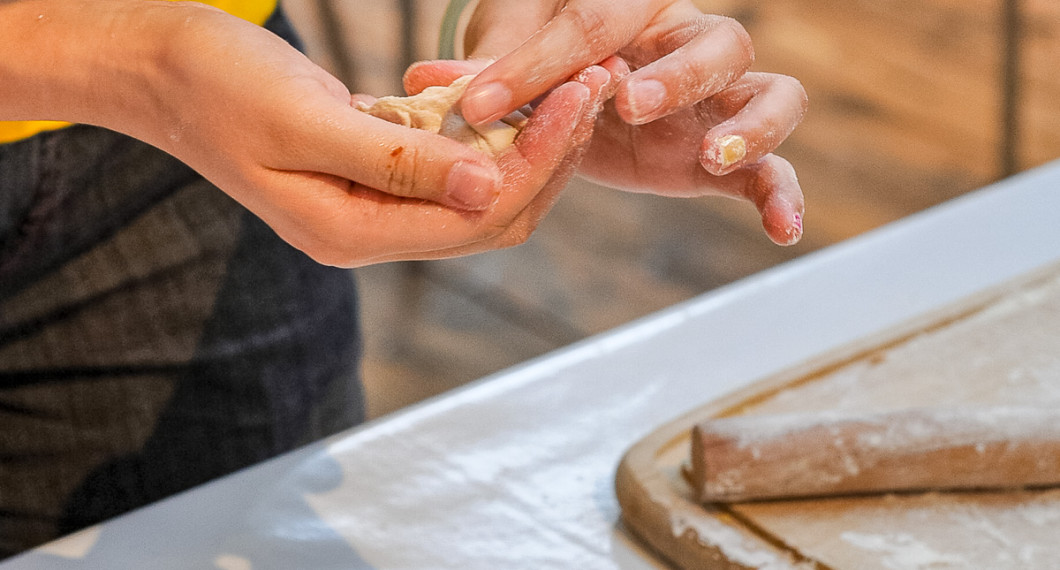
(661, 156)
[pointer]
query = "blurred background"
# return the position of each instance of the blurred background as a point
(912, 103)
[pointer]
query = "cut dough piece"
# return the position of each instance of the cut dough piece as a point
(437, 109)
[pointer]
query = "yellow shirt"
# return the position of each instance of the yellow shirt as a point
(256, 11)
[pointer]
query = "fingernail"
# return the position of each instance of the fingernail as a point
(470, 186)
(646, 96)
(729, 150)
(484, 103)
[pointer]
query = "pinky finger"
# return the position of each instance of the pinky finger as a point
(771, 185)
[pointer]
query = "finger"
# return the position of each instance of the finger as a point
(763, 109)
(394, 159)
(341, 223)
(598, 80)
(617, 70)
(703, 56)
(581, 34)
(548, 138)
(424, 74)
(771, 185)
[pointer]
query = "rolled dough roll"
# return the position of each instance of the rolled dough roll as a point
(743, 458)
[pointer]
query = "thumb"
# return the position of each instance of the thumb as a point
(405, 162)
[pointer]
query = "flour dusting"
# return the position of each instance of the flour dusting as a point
(731, 543)
(1039, 514)
(902, 551)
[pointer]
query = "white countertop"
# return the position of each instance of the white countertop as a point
(516, 470)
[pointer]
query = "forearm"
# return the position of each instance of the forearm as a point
(93, 62)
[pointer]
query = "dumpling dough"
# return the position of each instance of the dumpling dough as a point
(437, 109)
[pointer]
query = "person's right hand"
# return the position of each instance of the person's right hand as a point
(687, 119)
(279, 134)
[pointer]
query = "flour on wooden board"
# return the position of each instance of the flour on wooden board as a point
(731, 543)
(903, 551)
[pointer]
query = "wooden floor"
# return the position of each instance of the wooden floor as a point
(908, 103)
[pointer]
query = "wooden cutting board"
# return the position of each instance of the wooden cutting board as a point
(1001, 347)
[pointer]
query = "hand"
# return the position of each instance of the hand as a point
(280, 135)
(687, 121)
(349, 188)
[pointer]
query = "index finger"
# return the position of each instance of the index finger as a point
(584, 32)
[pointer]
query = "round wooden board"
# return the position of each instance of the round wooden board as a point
(936, 359)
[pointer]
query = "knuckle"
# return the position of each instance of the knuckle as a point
(590, 21)
(796, 87)
(402, 176)
(673, 39)
(739, 36)
(791, 89)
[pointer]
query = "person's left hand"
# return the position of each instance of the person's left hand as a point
(688, 120)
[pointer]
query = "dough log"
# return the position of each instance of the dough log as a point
(437, 109)
(747, 458)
